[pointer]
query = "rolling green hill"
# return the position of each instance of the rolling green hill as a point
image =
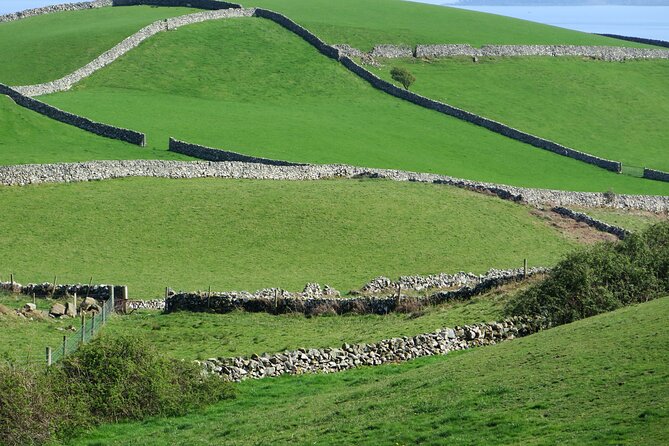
(44, 48)
(248, 235)
(602, 380)
(28, 137)
(365, 23)
(615, 110)
(251, 86)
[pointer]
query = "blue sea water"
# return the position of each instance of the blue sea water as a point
(651, 22)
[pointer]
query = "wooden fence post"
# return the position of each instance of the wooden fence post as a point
(83, 327)
(48, 356)
(64, 345)
(525, 268)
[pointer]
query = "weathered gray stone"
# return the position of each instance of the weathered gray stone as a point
(57, 309)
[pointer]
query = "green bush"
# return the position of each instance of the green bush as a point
(107, 380)
(601, 278)
(403, 76)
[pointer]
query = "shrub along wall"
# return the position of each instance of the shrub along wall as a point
(108, 131)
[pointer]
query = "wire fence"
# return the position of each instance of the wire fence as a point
(89, 328)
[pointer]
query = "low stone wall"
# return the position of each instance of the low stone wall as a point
(211, 154)
(489, 124)
(655, 175)
(391, 51)
(607, 53)
(108, 131)
(619, 232)
(43, 290)
(313, 301)
(201, 4)
(23, 174)
(329, 360)
(54, 8)
(663, 43)
(66, 82)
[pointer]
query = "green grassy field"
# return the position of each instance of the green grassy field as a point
(44, 48)
(365, 23)
(247, 235)
(615, 110)
(232, 75)
(602, 380)
(28, 137)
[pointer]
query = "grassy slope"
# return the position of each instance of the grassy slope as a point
(364, 23)
(44, 48)
(235, 76)
(618, 111)
(603, 380)
(28, 137)
(187, 335)
(232, 234)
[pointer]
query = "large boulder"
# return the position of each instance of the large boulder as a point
(71, 309)
(57, 309)
(29, 307)
(89, 304)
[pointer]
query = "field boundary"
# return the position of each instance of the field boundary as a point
(100, 129)
(24, 174)
(212, 154)
(330, 360)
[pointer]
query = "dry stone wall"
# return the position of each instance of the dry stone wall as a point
(43, 290)
(201, 4)
(54, 8)
(314, 301)
(607, 53)
(619, 232)
(20, 175)
(329, 360)
(65, 83)
(108, 131)
(658, 175)
(211, 154)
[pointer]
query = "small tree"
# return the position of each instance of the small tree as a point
(403, 76)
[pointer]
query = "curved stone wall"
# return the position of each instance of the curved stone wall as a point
(108, 131)
(329, 360)
(23, 174)
(65, 83)
(211, 154)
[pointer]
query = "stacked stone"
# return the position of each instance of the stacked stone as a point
(20, 175)
(100, 292)
(658, 175)
(329, 360)
(619, 232)
(379, 296)
(391, 51)
(54, 8)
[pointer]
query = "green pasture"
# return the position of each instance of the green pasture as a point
(602, 380)
(251, 234)
(615, 110)
(28, 137)
(235, 84)
(44, 48)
